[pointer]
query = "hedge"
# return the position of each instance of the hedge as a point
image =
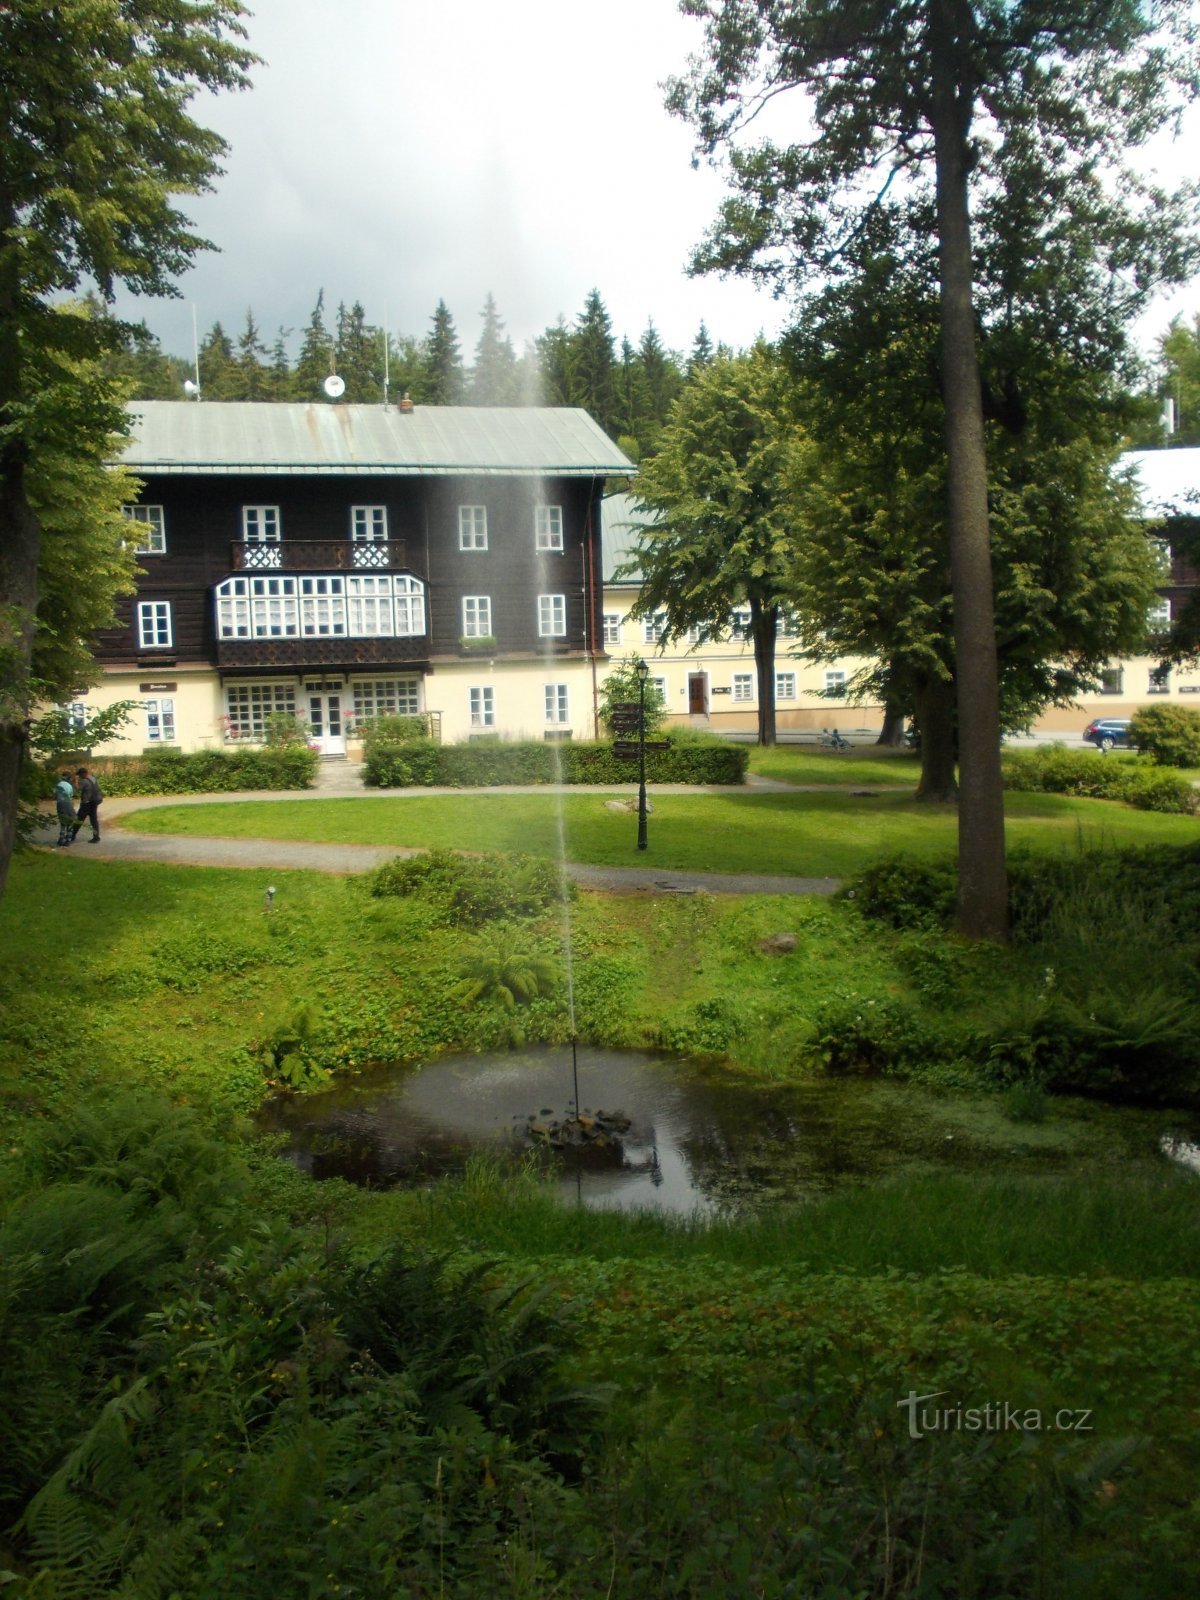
(200, 772)
(1138, 783)
(483, 764)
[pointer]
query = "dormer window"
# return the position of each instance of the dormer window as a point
(151, 537)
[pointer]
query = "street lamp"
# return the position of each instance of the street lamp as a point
(643, 672)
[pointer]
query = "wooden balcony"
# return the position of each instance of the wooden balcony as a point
(312, 555)
(322, 652)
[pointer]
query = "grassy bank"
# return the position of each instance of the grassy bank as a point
(809, 835)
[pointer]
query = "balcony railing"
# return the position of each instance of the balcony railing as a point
(313, 555)
(316, 652)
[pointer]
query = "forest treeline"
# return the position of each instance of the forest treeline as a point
(629, 388)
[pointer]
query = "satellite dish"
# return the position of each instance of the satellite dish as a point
(190, 388)
(334, 386)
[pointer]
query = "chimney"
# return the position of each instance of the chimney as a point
(406, 405)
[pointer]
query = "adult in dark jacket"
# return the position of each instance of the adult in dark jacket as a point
(89, 800)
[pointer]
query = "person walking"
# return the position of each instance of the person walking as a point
(64, 804)
(89, 800)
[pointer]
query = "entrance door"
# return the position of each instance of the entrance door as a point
(325, 723)
(697, 694)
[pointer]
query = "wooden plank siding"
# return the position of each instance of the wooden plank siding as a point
(203, 520)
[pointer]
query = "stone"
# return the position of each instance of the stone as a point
(778, 944)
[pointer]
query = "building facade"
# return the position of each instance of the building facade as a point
(336, 562)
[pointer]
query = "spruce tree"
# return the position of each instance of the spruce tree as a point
(312, 366)
(493, 377)
(443, 361)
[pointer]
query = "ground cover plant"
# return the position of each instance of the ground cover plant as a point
(546, 1394)
(807, 834)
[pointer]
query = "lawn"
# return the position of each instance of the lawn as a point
(804, 834)
(793, 763)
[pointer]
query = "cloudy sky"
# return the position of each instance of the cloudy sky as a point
(398, 153)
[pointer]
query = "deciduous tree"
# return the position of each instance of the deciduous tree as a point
(1019, 113)
(96, 140)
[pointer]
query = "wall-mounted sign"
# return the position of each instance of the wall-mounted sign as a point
(157, 688)
(721, 688)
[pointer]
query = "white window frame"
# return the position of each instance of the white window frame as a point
(481, 701)
(661, 685)
(557, 703)
(322, 606)
(260, 525)
(408, 601)
(654, 629)
(785, 686)
(248, 705)
(552, 616)
(155, 626)
(160, 721)
(386, 697)
(472, 528)
(1112, 680)
(152, 523)
(1158, 680)
(548, 528)
(739, 623)
(835, 684)
(743, 687)
(370, 612)
(369, 524)
(1158, 616)
(612, 627)
(477, 616)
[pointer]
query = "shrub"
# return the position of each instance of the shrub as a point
(286, 766)
(481, 764)
(623, 687)
(1169, 735)
(472, 890)
(1138, 783)
(905, 893)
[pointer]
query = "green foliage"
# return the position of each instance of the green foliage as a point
(1057, 770)
(484, 764)
(498, 969)
(905, 892)
(282, 728)
(471, 890)
(1169, 735)
(622, 686)
(280, 766)
(291, 1056)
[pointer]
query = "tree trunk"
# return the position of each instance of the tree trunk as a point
(20, 548)
(764, 627)
(982, 877)
(892, 732)
(934, 699)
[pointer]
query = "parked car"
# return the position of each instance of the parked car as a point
(1109, 733)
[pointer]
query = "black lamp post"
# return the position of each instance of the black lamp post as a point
(643, 672)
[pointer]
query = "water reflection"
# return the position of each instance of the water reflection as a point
(700, 1138)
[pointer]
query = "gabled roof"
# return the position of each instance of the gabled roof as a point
(1168, 481)
(622, 520)
(242, 437)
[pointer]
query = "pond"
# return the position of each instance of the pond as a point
(700, 1138)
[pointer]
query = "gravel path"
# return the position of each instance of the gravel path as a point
(343, 782)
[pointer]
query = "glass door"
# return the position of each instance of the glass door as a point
(325, 723)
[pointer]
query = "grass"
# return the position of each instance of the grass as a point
(805, 834)
(791, 763)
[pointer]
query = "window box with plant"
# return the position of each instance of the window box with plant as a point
(477, 644)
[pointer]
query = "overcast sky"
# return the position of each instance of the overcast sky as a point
(398, 152)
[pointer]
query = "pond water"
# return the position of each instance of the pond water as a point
(700, 1139)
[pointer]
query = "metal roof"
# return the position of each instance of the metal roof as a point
(622, 521)
(1168, 481)
(211, 438)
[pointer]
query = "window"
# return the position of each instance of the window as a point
(692, 636)
(1160, 681)
(1112, 680)
(260, 524)
(472, 528)
(1158, 616)
(483, 710)
(1161, 549)
(654, 629)
(789, 625)
(386, 697)
(477, 616)
(739, 623)
(322, 608)
(835, 685)
(154, 624)
(743, 686)
(612, 627)
(785, 686)
(556, 703)
(369, 533)
(548, 527)
(160, 721)
(152, 529)
(247, 706)
(656, 686)
(552, 616)
(361, 606)
(76, 716)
